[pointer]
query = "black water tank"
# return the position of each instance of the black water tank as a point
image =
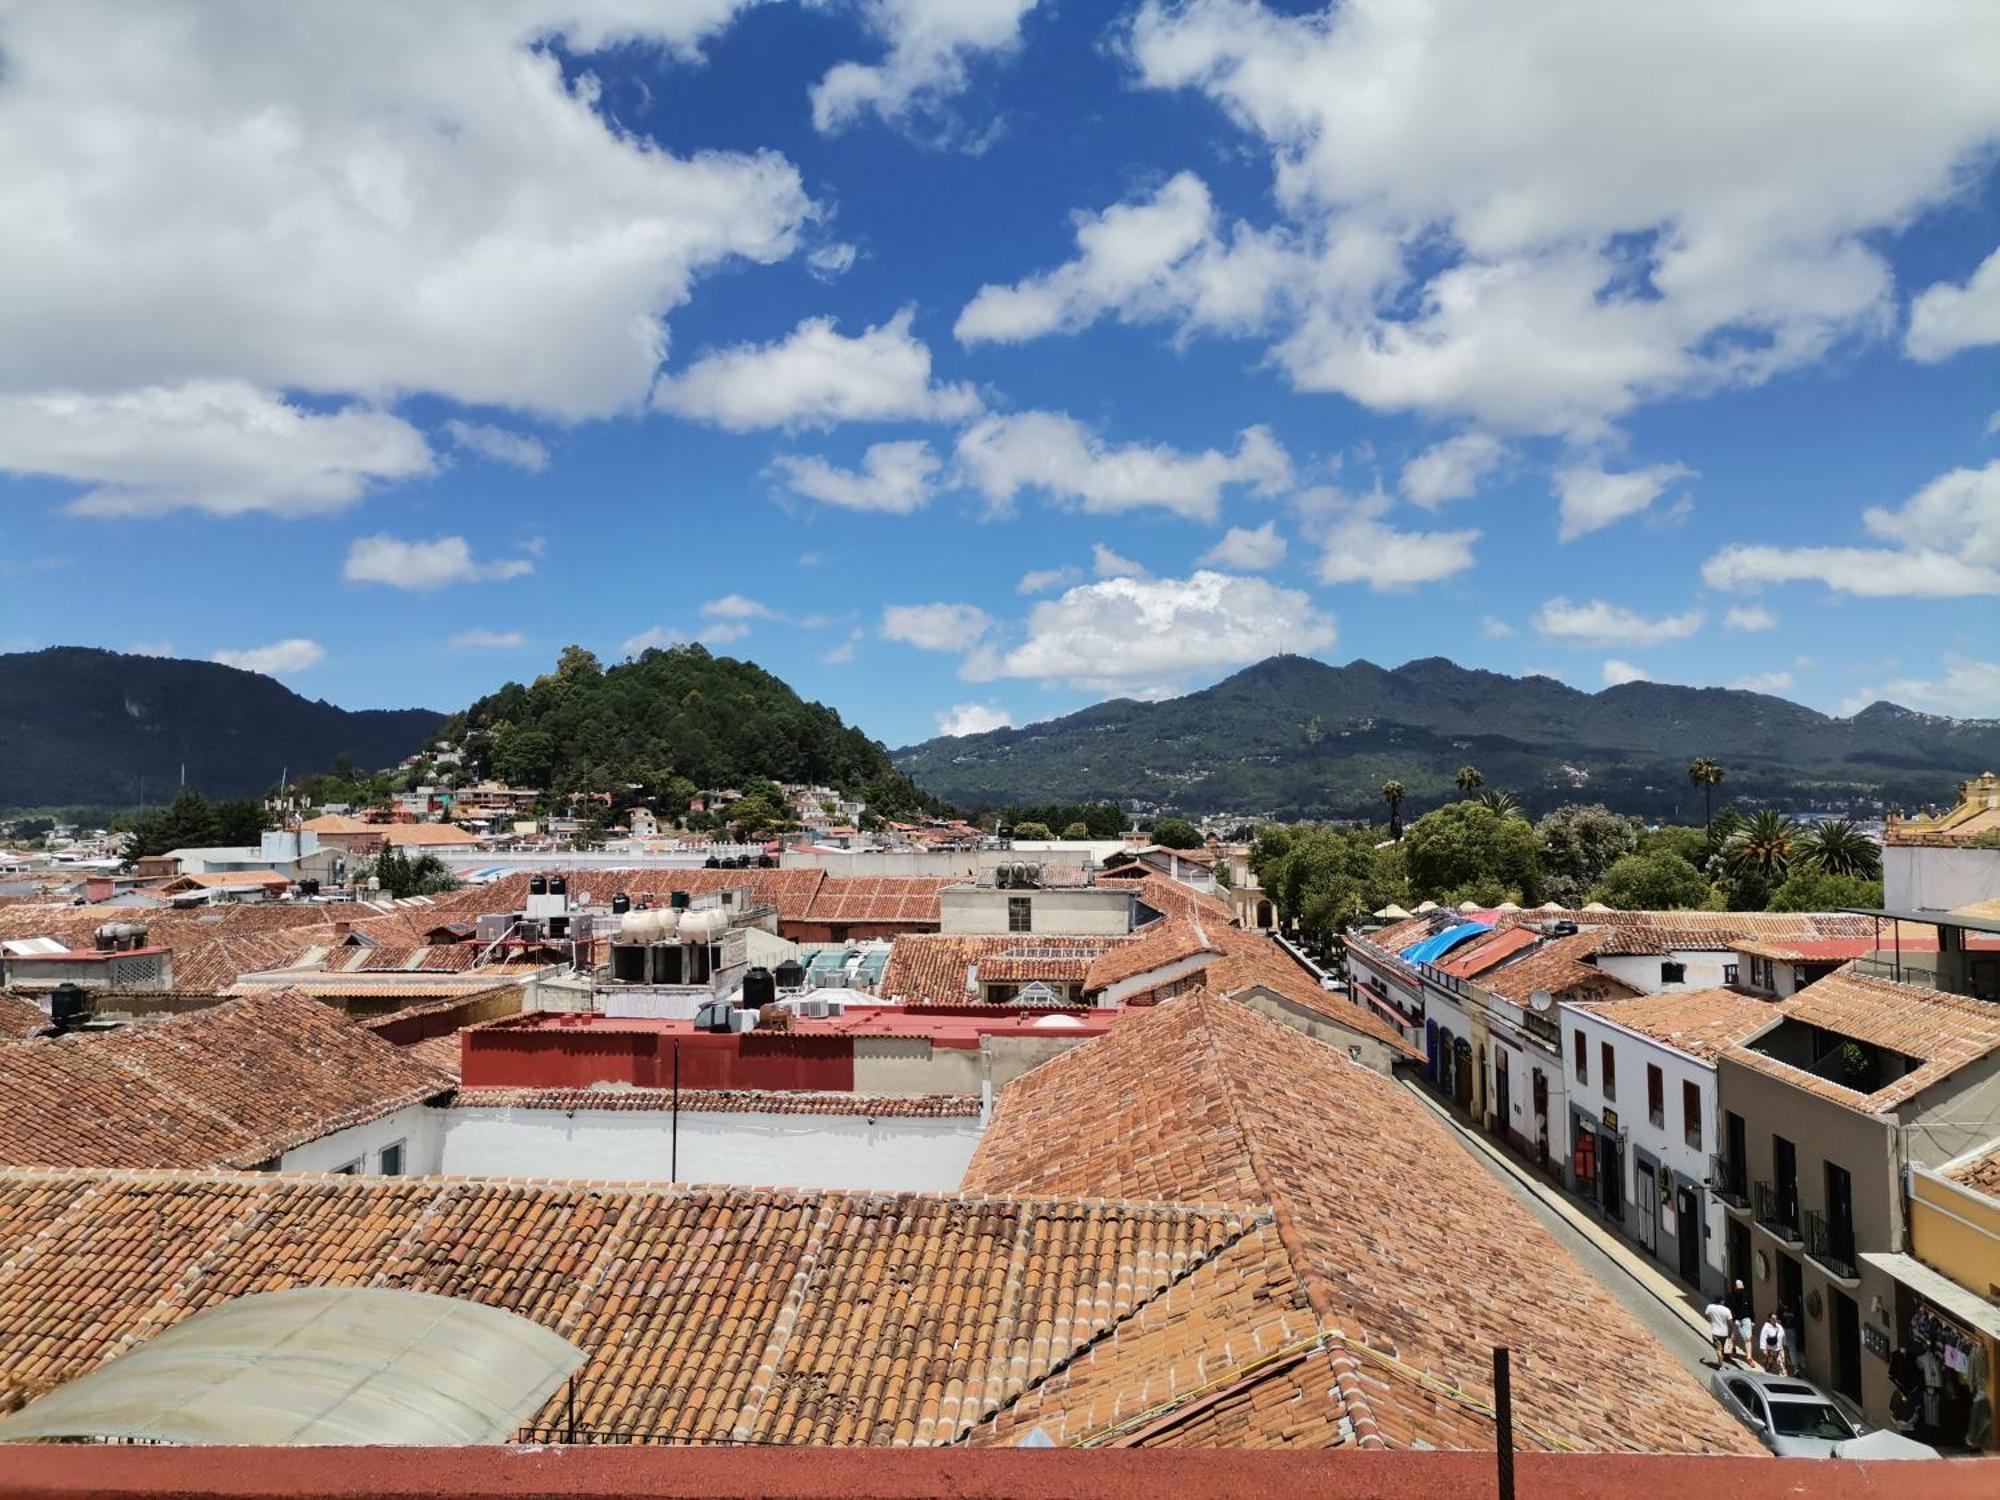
(69, 1007)
(679, 899)
(766, 862)
(711, 863)
(620, 904)
(538, 885)
(759, 988)
(559, 885)
(791, 975)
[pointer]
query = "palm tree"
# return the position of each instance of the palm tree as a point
(1706, 774)
(1764, 846)
(1503, 803)
(1469, 779)
(1392, 793)
(1839, 848)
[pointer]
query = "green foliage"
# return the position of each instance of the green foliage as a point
(1103, 820)
(192, 821)
(1809, 888)
(756, 813)
(1031, 829)
(1326, 879)
(1578, 844)
(1176, 833)
(1762, 848)
(1839, 848)
(1690, 844)
(1392, 793)
(524, 757)
(402, 875)
(1660, 880)
(1077, 830)
(1464, 844)
(1504, 803)
(1469, 780)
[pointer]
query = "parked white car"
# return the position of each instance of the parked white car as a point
(1796, 1419)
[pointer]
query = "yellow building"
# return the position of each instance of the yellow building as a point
(1978, 812)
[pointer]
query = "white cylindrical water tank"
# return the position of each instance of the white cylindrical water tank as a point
(703, 926)
(634, 927)
(666, 925)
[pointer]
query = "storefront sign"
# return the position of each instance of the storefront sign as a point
(1611, 1121)
(1875, 1341)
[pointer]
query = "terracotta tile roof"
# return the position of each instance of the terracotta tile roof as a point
(791, 891)
(1559, 966)
(443, 1054)
(420, 835)
(1698, 1022)
(1172, 898)
(234, 1085)
(19, 1016)
(1981, 1173)
(378, 986)
(1205, 1101)
(1251, 958)
(725, 1101)
(1171, 940)
(1476, 957)
(1943, 1032)
(1814, 950)
(930, 968)
(859, 898)
(705, 1314)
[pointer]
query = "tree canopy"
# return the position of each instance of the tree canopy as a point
(1657, 881)
(191, 821)
(1466, 851)
(1578, 844)
(1176, 833)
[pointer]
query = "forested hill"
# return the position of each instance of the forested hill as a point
(1297, 737)
(82, 726)
(672, 717)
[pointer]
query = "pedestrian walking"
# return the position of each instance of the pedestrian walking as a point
(1721, 1321)
(1740, 1326)
(1771, 1343)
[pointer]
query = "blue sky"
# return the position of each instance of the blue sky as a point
(967, 363)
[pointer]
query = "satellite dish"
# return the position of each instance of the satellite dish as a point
(1541, 1000)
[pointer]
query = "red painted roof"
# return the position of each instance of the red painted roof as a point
(1478, 957)
(943, 1026)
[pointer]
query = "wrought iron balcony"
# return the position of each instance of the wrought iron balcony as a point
(1777, 1211)
(1727, 1181)
(1831, 1243)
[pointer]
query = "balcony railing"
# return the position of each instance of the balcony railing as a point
(1831, 1244)
(1727, 1181)
(1776, 1211)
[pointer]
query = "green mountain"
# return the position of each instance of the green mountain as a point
(674, 715)
(82, 726)
(1298, 738)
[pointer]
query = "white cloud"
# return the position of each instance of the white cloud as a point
(830, 262)
(279, 659)
(1945, 319)
(814, 377)
(150, 648)
(1763, 682)
(1969, 689)
(1592, 498)
(1108, 564)
(366, 199)
(1617, 673)
(516, 449)
(1452, 469)
(653, 638)
(737, 607)
(1118, 633)
(1249, 549)
(1600, 624)
(1159, 256)
(1749, 617)
(1052, 452)
(973, 718)
(930, 44)
(894, 479)
(424, 565)
(479, 639)
(1360, 547)
(1041, 580)
(1945, 544)
(219, 446)
(722, 633)
(1547, 268)
(1495, 629)
(935, 627)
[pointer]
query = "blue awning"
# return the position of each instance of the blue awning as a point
(1429, 950)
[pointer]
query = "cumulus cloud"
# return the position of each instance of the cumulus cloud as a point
(830, 262)
(894, 479)
(722, 632)
(1163, 255)
(1592, 498)
(424, 565)
(279, 659)
(1547, 269)
(815, 377)
(1495, 629)
(1600, 624)
(1763, 682)
(1248, 549)
(1041, 580)
(931, 44)
(737, 607)
(1944, 543)
(1968, 688)
(652, 638)
(1361, 547)
(1108, 564)
(1452, 469)
(973, 718)
(1054, 453)
(1945, 318)
(480, 639)
(363, 199)
(935, 627)
(1118, 633)
(220, 446)
(1749, 617)
(515, 449)
(1617, 673)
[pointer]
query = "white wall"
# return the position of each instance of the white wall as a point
(1940, 879)
(418, 1127)
(1064, 911)
(895, 1154)
(1642, 971)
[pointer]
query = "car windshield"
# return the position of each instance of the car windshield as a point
(1809, 1419)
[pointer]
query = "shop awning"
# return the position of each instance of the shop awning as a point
(1969, 1308)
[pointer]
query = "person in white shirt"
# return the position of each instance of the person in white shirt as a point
(1771, 1343)
(1721, 1321)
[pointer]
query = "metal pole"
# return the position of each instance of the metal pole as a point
(572, 1408)
(1503, 1405)
(674, 1147)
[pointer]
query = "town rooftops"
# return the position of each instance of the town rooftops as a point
(1935, 1034)
(1978, 1170)
(726, 1101)
(19, 1016)
(1390, 1314)
(1977, 813)
(942, 1026)
(1698, 1022)
(425, 835)
(1560, 966)
(236, 1085)
(934, 968)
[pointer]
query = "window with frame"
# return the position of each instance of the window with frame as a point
(1582, 1050)
(1607, 1065)
(391, 1161)
(348, 1169)
(1656, 1096)
(1672, 973)
(1020, 914)
(1691, 1112)
(1729, 973)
